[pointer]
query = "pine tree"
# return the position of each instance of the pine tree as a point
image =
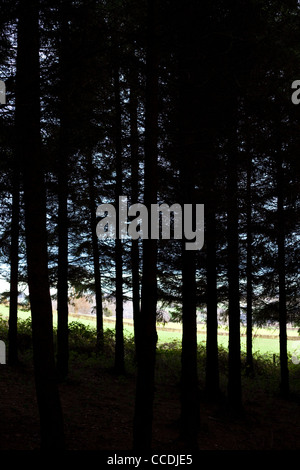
(29, 147)
(63, 222)
(189, 150)
(143, 415)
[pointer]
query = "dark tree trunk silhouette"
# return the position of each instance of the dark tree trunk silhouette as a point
(96, 255)
(209, 175)
(212, 362)
(189, 151)
(134, 148)
(284, 371)
(234, 362)
(143, 415)
(62, 268)
(14, 263)
(249, 268)
(119, 352)
(29, 141)
(190, 416)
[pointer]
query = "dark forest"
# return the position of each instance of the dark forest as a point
(111, 108)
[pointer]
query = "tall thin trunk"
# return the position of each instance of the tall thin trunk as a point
(249, 269)
(212, 362)
(284, 371)
(188, 114)
(234, 372)
(134, 147)
(62, 268)
(14, 266)
(96, 255)
(143, 415)
(31, 159)
(190, 409)
(119, 352)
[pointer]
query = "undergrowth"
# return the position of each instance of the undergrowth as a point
(82, 346)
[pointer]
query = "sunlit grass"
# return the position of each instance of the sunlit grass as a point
(260, 345)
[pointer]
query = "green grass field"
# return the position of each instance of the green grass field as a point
(261, 345)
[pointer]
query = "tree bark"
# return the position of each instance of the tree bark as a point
(14, 264)
(212, 361)
(234, 361)
(189, 162)
(96, 256)
(143, 415)
(249, 269)
(190, 409)
(64, 149)
(284, 371)
(134, 147)
(119, 352)
(29, 142)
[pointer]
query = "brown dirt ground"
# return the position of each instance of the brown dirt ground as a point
(98, 410)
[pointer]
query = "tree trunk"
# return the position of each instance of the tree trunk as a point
(119, 352)
(212, 362)
(29, 142)
(62, 268)
(96, 256)
(134, 147)
(14, 264)
(189, 152)
(143, 415)
(249, 361)
(234, 372)
(284, 371)
(190, 416)
(62, 274)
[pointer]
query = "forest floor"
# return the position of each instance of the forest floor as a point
(98, 407)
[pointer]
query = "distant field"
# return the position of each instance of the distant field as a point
(261, 344)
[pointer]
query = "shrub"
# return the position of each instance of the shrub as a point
(82, 338)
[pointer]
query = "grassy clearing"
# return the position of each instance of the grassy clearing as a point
(82, 341)
(261, 345)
